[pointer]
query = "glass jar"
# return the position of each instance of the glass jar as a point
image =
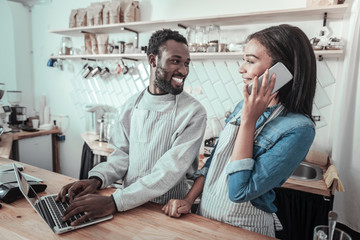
(214, 33)
(66, 46)
(214, 38)
(212, 47)
(201, 39)
(191, 38)
(334, 43)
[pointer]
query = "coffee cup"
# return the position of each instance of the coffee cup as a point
(35, 123)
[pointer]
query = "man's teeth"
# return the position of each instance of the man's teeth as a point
(179, 80)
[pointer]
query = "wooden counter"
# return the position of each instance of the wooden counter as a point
(5, 145)
(99, 148)
(20, 221)
(8, 138)
(316, 187)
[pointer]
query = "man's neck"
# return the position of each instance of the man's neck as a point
(153, 91)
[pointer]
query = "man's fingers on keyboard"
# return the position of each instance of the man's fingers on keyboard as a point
(79, 221)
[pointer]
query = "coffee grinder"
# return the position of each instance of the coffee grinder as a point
(18, 114)
(4, 111)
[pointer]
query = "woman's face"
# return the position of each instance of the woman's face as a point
(256, 61)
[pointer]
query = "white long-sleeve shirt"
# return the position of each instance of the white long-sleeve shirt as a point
(156, 144)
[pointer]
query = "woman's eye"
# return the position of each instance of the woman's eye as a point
(247, 61)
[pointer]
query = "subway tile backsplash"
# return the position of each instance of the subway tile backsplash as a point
(216, 84)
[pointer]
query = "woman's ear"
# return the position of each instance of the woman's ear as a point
(152, 60)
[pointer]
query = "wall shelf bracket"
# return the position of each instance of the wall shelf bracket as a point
(182, 26)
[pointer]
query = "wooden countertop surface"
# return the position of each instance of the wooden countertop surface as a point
(23, 134)
(8, 138)
(99, 148)
(316, 187)
(20, 221)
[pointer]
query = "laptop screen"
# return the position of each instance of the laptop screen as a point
(28, 192)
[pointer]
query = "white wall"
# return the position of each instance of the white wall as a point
(7, 48)
(16, 55)
(62, 91)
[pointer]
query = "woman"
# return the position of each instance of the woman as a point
(264, 140)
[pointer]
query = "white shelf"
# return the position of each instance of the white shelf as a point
(194, 56)
(286, 15)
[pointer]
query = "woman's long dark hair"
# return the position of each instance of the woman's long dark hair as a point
(289, 45)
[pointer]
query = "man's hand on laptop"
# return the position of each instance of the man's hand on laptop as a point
(93, 205)
(78, 189)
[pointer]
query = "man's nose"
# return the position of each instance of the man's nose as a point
(184, 70)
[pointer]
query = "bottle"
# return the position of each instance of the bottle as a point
(66, 46)
(101, 121)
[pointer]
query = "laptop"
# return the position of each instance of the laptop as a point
(50, 210)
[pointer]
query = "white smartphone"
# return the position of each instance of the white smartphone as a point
(283, 76)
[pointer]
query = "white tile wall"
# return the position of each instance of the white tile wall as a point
(216, 84)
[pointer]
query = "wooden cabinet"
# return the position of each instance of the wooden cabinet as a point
(287, 15)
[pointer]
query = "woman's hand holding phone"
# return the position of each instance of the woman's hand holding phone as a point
(257, 101)
(254, 106)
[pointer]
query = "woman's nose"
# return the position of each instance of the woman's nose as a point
(241, 69)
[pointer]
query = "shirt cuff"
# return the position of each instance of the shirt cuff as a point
(112, 197)
(200, 172)
(239, 165)
(118, 201)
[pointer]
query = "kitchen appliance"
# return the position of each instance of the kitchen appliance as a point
(18, 113)
(99, 118)
(4, 111)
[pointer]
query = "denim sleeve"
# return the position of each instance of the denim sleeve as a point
(270, 169)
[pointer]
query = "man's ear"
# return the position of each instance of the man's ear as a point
(152, 60)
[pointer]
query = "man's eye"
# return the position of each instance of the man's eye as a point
(174, 61)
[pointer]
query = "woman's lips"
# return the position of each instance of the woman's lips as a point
(247, 80)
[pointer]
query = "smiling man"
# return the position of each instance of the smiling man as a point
(156, 139)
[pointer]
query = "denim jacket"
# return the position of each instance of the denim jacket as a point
(278, 150)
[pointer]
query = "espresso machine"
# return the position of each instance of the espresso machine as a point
(17, 117)
(4, 111)
(99, 120)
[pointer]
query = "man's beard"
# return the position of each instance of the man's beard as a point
(163, 84)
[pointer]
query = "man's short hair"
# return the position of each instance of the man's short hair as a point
(159, 37)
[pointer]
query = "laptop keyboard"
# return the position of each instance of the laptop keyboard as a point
(58, 208)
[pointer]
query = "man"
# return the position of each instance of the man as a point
(156, 139)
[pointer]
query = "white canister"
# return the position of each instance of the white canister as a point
(42, 103)
(47, 114)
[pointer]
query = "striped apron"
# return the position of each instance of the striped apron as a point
(215, 202)
(151, 136)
